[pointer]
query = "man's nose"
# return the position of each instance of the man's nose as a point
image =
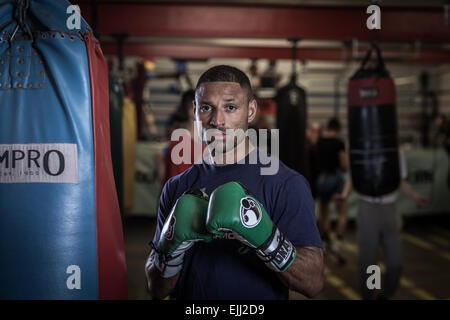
(218, 118)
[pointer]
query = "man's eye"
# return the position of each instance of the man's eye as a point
(205, 108)
(231, 108)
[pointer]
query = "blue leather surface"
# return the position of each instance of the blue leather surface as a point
(46, 227)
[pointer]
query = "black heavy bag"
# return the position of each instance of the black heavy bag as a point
(372, 124)
(115, 120)
(291, 121)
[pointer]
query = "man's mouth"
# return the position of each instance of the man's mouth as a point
(220, 136)
(217, 135)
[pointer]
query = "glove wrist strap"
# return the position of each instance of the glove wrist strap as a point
(168, 267)
(277, 251)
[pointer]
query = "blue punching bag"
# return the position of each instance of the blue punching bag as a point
(60, 229)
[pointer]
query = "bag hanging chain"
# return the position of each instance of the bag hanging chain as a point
(20, 18)
(22, 7)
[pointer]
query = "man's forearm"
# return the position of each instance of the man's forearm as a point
(158, 287)
(305, 275)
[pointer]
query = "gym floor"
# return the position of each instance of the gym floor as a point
(426, 261)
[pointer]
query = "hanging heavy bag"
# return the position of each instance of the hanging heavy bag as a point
(60, 229)
(116, 93)
(372, 125)
(291, 121)
(129, 141)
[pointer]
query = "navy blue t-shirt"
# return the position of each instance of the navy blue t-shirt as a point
(226, 268)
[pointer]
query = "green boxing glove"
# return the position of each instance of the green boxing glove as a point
(233, 208)
(184, 226)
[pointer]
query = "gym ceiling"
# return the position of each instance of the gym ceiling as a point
(411, 31)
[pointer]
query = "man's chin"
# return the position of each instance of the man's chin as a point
(220, 148)
(223, 153)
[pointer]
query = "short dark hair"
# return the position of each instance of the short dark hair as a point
(334, 124)
(227, 74)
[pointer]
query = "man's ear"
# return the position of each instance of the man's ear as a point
(194, 108)
(252, 108)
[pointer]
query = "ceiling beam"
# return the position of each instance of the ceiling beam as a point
(398, 24)
(152, 50)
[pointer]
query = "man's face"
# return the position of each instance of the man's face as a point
(221, 106)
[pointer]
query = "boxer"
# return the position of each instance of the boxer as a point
(224, 230)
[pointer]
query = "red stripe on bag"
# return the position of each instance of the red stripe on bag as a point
(112, 274)
(371, 92)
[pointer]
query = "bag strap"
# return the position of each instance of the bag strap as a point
(380, 64)
(20, 18)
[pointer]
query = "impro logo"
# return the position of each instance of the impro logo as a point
(39, 162)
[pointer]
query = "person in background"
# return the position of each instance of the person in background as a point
(183, 118)
(439, 131)
(180, 117)
(378, 225)
(440, 137)
(332, 162)
(313, 134)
